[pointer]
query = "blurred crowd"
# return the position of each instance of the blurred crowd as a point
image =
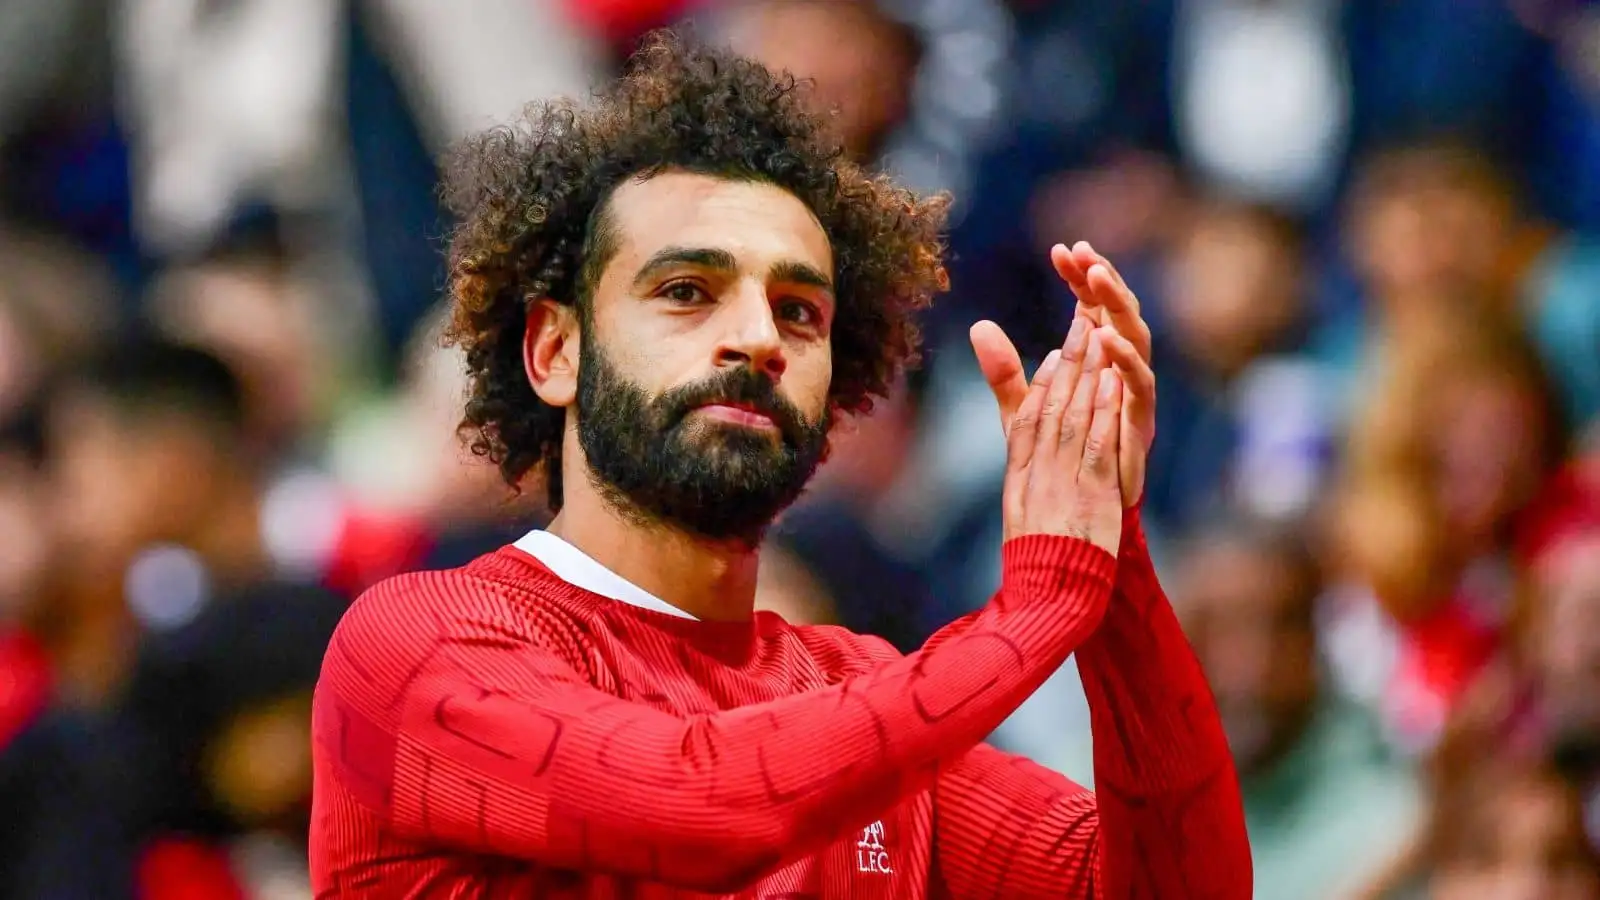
(1366, 234)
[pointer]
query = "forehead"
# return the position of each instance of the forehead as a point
(758, 223)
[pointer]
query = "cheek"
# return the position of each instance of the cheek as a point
(808, 380)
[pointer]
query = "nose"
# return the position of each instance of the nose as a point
(750, 334)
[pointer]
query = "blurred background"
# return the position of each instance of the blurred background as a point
(1366, 234)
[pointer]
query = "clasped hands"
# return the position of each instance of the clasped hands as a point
(1078, 436)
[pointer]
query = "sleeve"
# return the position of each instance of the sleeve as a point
(1166, 818)
(464, 733)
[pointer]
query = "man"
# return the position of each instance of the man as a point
(1325, 804)
(664, 301)
(200, 652)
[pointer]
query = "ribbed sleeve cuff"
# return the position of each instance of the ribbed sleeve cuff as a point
(1048, 566)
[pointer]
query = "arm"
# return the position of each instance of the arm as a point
(460, 732)
(1172, 819)
(1166, 819)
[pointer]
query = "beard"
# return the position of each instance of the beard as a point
(716, 480)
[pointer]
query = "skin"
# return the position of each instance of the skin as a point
(666, 325)
(1110, 309)
(712, 273)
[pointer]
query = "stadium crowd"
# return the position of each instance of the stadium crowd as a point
(1367, 238)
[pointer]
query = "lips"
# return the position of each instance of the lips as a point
(739, 413)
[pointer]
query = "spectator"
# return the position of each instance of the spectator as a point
(1502, 831)
(1436, 226)
(1244, 419)
(1461, 434)
(202, 657)
(57, 838)
(1325, 803)
(859, 60)
(1563, 651)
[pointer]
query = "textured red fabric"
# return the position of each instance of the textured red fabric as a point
(494, 731)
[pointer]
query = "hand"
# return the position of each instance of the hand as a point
(1105, 304)
(1062, 446)
(1104, 300)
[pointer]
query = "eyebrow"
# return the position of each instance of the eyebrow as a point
(720, 260)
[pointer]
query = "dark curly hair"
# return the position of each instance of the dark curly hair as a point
(530, 199)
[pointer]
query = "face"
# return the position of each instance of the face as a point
(860, 69)
(1249, 618)
(265, 326)
(702, 386)
(1488, 446)
(120, 485)
(1233, 289)
(1431, 239)
(1526, 843)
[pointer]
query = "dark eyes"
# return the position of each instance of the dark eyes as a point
(798, 312)
(685, 292)
(795, 311)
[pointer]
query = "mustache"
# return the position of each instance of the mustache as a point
(745, 387)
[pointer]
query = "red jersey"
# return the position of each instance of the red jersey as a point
(494, 731)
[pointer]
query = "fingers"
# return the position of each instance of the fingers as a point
(1001, 367)
(1101, 448)
(1066, 265)
(1021, 439)
(1054, 425)
(1103, 296)
(1075, 432)
(1138, 380)
(1111, 293)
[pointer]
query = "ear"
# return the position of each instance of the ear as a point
(550, 352)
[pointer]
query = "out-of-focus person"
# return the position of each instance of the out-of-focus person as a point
(1563, 652)
(1514, 835)
(250, 301)
(57, 837)
(1460, 436)
(1247, 422)
(1328, 805)
(179, 628)
(1325, 802)
(1500, 829)
(405, 470)
(1436, 226)
(860, 60)
(245, 301)
(53, 308)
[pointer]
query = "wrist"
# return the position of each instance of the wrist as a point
(1053, 565)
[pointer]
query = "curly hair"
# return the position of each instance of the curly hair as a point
(530, 199)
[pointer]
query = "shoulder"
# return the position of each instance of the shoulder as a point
(842, 651)
(398, 624)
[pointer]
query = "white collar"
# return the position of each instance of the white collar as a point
(581, 570)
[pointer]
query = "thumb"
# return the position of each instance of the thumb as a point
(1002, 369)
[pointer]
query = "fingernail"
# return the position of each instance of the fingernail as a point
(1108, 385)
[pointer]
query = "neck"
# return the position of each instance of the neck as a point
(710, 580)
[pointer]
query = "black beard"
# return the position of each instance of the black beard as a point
(718, 481)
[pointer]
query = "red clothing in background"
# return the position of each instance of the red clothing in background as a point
(495, 731)
(25, 683)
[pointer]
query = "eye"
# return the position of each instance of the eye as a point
(685, 292)
(799, 312)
